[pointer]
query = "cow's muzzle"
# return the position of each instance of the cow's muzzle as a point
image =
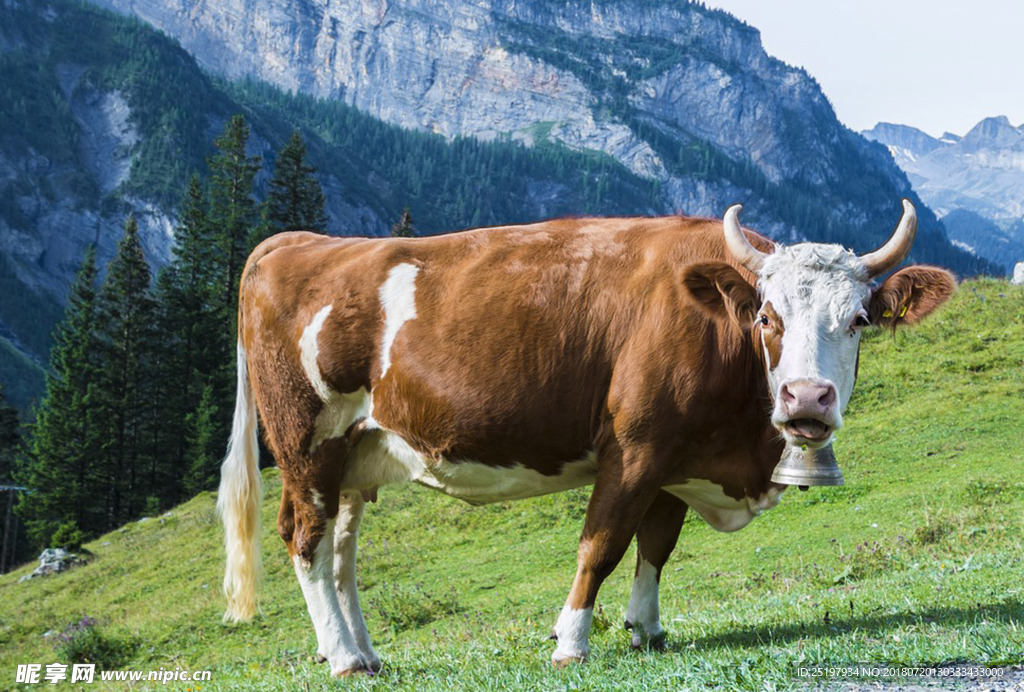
(807, 412)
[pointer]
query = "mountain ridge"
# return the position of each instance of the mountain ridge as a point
(975, 183)
(660, 87)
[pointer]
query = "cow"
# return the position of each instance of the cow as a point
(667, 362)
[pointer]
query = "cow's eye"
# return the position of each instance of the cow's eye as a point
(859, 322)
(763, 319)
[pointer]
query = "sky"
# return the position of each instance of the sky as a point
(938, 66)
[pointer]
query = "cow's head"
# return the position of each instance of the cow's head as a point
(806, 316)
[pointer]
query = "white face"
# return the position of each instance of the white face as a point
(814, 301)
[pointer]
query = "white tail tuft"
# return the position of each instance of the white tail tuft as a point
(238, 502)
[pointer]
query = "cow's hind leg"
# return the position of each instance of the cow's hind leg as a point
(622, 493)
(655, 538)
(346, 533)
(307, 525)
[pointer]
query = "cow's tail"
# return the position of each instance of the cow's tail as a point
(238, 502)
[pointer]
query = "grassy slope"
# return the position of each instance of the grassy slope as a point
(917, 560)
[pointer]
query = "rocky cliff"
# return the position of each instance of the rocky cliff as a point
(677, 92)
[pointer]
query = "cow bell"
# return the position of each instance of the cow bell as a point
(805, 467)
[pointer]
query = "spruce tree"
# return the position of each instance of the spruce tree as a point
(65, 442)
(295, 201)
(404, 228)
(126, 344)
(192, 339)
(233, 210)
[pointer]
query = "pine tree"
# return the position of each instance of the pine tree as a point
(233, 210)
(404, 228)
(192, 339)
(126, 345)
(64, 444)
(295, 201)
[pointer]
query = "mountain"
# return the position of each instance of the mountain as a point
(676, 92)
(469, 113)
(975, 182)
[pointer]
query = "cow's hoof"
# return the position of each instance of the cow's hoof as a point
(360, 665)
(640, 639)
(349, 672)
(368, 670)
(655, 643)
(568, 661)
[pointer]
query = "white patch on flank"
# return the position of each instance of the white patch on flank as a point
(346, 533)
(398, 300)
(383, 458)
(478, 483)
(721, 512)
(642, 612)
(309, 350)
(334, 641)
(573, 632)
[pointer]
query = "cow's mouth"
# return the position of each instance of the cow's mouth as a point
(810, 429)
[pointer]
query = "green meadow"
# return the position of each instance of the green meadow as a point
(916, 561)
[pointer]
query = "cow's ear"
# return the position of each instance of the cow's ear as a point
(910, 295)
(721, 292)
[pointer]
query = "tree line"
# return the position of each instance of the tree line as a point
(140, 387)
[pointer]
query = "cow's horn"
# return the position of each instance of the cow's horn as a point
(745, 253)
(896, 250)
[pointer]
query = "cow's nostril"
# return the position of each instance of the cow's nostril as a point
(828, 397)
(787, 395)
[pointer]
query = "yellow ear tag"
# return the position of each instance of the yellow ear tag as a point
(887, 313)
(903, 311)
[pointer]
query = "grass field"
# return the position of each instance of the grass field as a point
(916, 561)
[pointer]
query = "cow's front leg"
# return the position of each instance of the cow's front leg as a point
(655, 539)
(620, 498)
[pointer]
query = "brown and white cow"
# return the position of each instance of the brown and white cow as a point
(657, 359)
